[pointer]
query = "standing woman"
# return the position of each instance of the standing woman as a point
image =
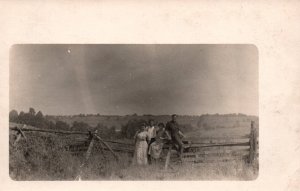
(141, 146)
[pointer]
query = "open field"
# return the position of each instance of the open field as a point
(43, 156)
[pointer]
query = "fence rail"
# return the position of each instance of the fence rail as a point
(49, 130)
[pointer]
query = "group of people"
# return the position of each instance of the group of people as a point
(150, 139)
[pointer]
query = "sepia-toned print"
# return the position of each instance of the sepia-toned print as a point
(133, 112)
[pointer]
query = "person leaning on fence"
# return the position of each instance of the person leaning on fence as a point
(176, 134)
(155, 149)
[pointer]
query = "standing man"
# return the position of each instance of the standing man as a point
(176, 135)
(151, 129)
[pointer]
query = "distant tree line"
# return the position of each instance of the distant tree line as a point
(30, 118)
(39, 120)
(206, 122)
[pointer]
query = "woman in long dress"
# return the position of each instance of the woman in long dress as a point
(141, 146)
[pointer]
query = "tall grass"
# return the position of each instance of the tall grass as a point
(43, 157)
(237, 170)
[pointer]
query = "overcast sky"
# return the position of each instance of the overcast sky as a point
(127, 79)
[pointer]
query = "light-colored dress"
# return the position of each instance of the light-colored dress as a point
(141, 148)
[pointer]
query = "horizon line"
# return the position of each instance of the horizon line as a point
(136, 114)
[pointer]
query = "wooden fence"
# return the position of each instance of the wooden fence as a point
(207, 149)
(224, 148)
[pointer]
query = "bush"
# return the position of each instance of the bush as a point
(131, 127)
(106, 132)
(80, 126)
(44, 157)
(41, 157)
(30, 118)
(61, 125)
(13, 116)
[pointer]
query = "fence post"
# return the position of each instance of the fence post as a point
(20, 134)
(89, 150)
(107, 146)
(87, 156)
(252, 141)
(168, 157)
(102, 151)
(255, 141)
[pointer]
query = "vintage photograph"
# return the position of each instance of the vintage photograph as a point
(133, 112)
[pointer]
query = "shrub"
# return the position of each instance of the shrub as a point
(41, 157)
(131, 127)
(44, 157)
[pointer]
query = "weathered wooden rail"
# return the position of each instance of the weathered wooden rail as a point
(207, 149)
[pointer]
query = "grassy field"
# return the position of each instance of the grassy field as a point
(237, 170)
(44, 157)
(62, 166)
